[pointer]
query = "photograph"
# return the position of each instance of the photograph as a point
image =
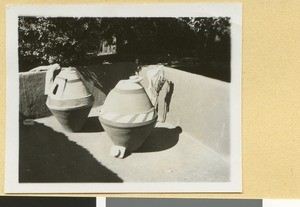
(124, 98)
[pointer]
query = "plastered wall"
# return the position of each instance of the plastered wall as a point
(199, 105)
(271, 98)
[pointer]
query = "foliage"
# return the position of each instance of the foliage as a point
(209, 25)
(212, 35)
(63, 40)
(45, 40)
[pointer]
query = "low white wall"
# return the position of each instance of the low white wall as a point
(32, 99)
(200, 106)
(99, 79)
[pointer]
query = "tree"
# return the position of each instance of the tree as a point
(64, 40)
(213, 35)
(46, 40)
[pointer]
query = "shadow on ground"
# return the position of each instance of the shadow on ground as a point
(161, 139)
(92, 125)
(48, 156)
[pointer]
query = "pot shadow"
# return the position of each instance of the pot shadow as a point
(91, 125)
(161, 139)
(48, 156)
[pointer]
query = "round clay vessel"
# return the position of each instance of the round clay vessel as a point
(127, 114)
(69, 100)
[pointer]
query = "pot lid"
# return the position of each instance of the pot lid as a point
(133, 83)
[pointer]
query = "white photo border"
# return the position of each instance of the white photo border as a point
(232, 10)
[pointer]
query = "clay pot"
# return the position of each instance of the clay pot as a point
(127, 114)
(69, 100)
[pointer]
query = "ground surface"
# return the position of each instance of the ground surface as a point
(49, 154)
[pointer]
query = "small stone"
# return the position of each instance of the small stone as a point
(28, 122)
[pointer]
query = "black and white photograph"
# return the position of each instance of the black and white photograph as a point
(124, 98)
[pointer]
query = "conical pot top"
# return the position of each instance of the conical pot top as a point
(128, 102)
(68, 91)
(69, 99)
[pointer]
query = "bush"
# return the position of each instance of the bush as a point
(44, 40)
(56, 40)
